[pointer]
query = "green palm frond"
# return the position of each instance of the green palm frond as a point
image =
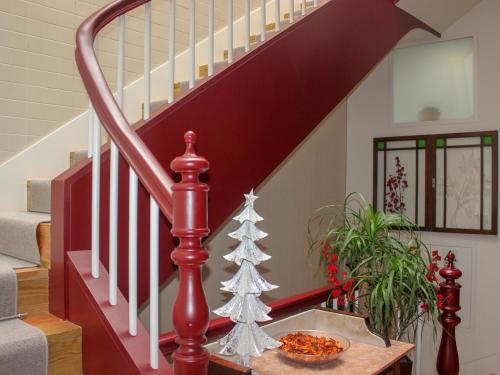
(387, 258)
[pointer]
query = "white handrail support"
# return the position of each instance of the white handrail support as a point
(91, 129)
(147, 60)
(192, 44)
(263, 20)
(171, 52)
(96, 187)
(229, 31)
(113, 178)
(154, 282)
(132, 251)
(211, 36)
(247, 25)
(277, 15)
(418, 340)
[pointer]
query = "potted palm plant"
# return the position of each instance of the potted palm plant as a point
(377, 262)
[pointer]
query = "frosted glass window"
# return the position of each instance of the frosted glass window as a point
(400, 186)
(434, 82)
(441, 182)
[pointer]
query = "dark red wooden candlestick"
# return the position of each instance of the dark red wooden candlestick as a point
(447, 360)
(191, 313)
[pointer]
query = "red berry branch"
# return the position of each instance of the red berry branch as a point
(396, 186)
(342, 284)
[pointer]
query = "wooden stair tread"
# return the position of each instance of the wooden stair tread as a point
(32, 273)
(44, 243)
(65, 343)
(32, 290)
(52, 325)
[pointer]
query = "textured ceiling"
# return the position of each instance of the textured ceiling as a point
(439, 14)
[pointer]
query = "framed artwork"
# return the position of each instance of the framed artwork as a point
(443, 182)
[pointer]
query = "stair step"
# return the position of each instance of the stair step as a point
(65, 343)
(204, 68)
(32, 290)
(298, 13)
(26, 236)
(23, 349)
(38, 195)
(44, 243)
(77, 156)
(254, 38)
(236, 52)
(179, 87)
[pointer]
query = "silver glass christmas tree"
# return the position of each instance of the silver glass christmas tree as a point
(247, 339)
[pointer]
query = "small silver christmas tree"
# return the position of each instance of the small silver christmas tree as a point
(247, 339)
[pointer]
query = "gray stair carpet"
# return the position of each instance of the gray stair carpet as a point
(18, 235)
(23, 348)
(38, 195)
(15, 263)
(77, 156)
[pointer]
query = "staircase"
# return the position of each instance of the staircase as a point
(275, 90)
(17, 338)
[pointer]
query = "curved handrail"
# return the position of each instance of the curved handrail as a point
(154, 178)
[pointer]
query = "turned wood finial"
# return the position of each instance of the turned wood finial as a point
(447, 360)
(191, 313)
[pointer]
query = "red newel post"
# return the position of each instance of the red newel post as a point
(447, 360)
(191, 312)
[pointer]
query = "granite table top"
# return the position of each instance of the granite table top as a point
(360, 359)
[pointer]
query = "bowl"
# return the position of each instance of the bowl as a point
(310, 358)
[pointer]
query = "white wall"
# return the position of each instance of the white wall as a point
(370, 115)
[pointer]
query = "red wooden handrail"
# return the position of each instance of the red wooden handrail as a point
(154, 178)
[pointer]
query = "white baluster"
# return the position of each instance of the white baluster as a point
(147, 60)
(418, 341)
(292, 10)
(263, 20)
(113, 173)
(132, 252)
(171, 52)
(96, 187)
(120, 79)
(154, 282)
(192, 45)
(229, 31)
(277, 15)
(91, 129)
(154, 222)
(315, 3)
(356, 303)
(335, 305)
(247, 25)
(303, 7)
(133, 197)
(211, 36)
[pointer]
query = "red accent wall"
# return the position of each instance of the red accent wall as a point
(248, 119)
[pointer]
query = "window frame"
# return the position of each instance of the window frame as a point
(430, 178)
(475, 116)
